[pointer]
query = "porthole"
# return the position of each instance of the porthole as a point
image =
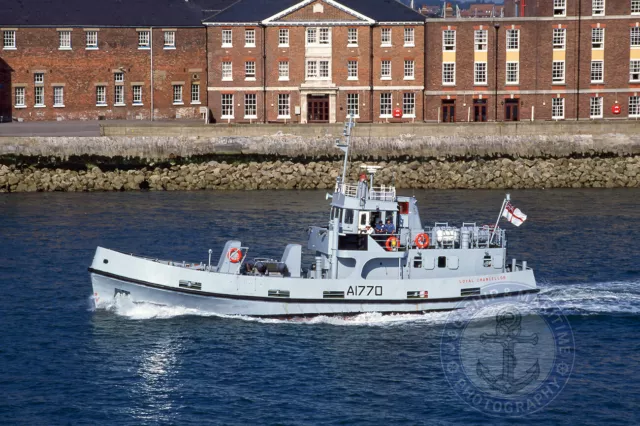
(105, 261)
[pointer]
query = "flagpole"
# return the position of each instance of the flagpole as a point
(504, 203)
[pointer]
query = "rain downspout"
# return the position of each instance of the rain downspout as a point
(264, 74)
(151, 77)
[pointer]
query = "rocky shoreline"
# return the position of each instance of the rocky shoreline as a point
(596, 172)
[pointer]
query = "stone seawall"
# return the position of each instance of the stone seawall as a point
(596, 172)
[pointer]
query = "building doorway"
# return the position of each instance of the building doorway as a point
(448, 110)
(479, 110)
(317, 108)
(511, 110)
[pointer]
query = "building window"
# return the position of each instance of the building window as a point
(318, 70)
(92, 39)
(283, 106)
(595, 109)
(118, 95)
(65, 39)
(169, 39)
(283, 70)
(449, 40)
(177, 94)
(312, 69)
(312, 36)
(39, 96)
(385, 70)
(480, 40)
(480, 73)
(250, 70)
(353, 105)
(143, 40)
(227, 38)
(227, 105)
(249, 38)
(324, 35)
(250, 105)
(559, 38)
(409, 37)
(597, 38)
(352, 70)
(101, 95)
(385, 39)
(318, 36)
(352, 37)
(409, 70)
(20, 97)
(634, 106)
(513, 39)
(137, 94)
(597, 7)
(324, 69)
(409, 105)
(195, 93)
(597, 71)
(557, 72)
(635, 37)
(118, 77)
(513, 72)
(557, 108)
(227, 71)
(38, 78)
(559, 7)
(9, 39)
(449, 73)
(283, 37)
(635, 6)
(634, 71)
(385, 105)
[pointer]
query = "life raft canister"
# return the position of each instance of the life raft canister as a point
(235, 255)
(392, 243)
(421, 240)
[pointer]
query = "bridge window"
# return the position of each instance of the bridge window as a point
(442, 261)
(348, 217)
(486, 261)
(417, 262)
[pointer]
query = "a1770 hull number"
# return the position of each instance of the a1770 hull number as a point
(364, 290)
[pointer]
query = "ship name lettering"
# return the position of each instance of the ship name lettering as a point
(364, 290)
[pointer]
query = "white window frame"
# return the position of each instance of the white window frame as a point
(634, 106)
(635, 7)
(64, 37)
(227, 38)
(597, 71)
(559, 39)
(38, 94)
(324, 70)
(635, 37)
(38, 78)
(136, 93)
(597, 38)
(352, 37)
(250, 70)
(227, 71)
(195, 94)
(249, 37)
(558, 72)
(178, 91)
(9, 40)
(353, 105)
(408, 105)
(324, 36)
(596, 107)
(409, 37)
(386, 101)
(169, 38)
(634, 71)
(480, 74)
(409, 69)
(559, 8)
(318, 36)
(101, 95)
(118, 96)
(118, 77)
(557, 106)
(58, 96)
(20, 96)
(513, 40)
(311, 70)
(515, 69)
(449, 40)
(284, 106)
(227, 111)
(144, 40)
(352, 70)
(283, 37)
(318, 69)
(385, 69)
(597, 7)
(283, 71)
(480, 40)
(446, 72)
(250, 106)
(385, 37)
(91, 39)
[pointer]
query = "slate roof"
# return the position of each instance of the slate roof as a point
(258, 10)
(108, 13)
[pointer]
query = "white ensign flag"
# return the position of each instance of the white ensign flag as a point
(513, 214)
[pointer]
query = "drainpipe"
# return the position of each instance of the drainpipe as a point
(579, 47)
(495, 101)
(264, 74)
(424, 91)
(371, 72)
(151, 88)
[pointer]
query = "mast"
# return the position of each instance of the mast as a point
(345, 146)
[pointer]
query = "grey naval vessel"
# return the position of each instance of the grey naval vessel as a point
(374, 255)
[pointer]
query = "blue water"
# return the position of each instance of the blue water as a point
(62, 362)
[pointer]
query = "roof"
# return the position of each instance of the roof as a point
(258, 10)
(109, 13)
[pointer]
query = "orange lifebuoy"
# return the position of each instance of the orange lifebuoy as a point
(392, 243)
(235, 255)
(422, 240)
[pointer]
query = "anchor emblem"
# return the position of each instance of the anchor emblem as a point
(508, 328)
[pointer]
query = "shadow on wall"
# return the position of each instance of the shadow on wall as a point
(5, 92)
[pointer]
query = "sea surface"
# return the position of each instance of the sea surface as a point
(64, 362)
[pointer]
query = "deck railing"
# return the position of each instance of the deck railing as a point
(379, 193)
